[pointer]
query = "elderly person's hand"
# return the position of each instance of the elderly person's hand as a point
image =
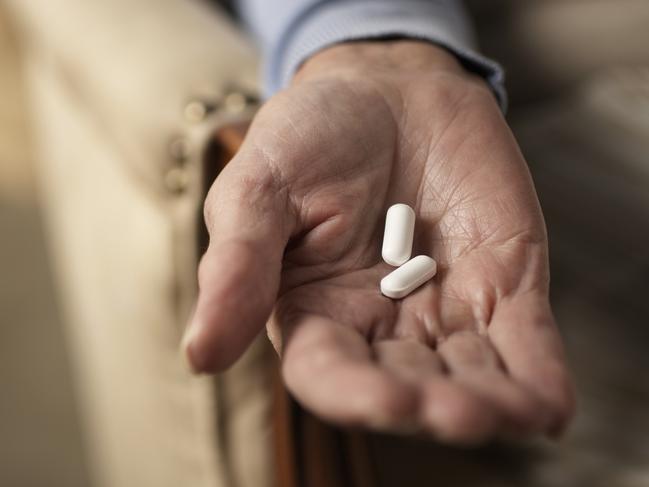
(296, 223)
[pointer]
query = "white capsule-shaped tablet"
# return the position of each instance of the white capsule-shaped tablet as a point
(398, 235)
(404, 280)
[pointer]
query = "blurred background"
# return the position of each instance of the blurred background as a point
(40, 439)
(578, 77)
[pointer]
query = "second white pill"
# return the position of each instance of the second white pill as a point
(404, 280)
(398, 235)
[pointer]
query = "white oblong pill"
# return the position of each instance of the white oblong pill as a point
(398, 235)
(404, 280)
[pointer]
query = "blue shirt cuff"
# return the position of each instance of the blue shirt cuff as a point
(329, 23)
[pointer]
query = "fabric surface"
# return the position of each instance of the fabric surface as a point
(120, 168)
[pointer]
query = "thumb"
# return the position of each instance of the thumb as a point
(249, 219)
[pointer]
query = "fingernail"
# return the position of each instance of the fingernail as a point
(186, 345)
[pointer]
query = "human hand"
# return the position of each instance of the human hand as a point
(296, 222)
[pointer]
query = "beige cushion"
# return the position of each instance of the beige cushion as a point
(135, 65)
(120, 155)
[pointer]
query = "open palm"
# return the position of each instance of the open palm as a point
(296, 223)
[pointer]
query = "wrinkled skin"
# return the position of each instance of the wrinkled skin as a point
(296, 222)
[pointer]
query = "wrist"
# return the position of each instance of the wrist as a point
(402, 57)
